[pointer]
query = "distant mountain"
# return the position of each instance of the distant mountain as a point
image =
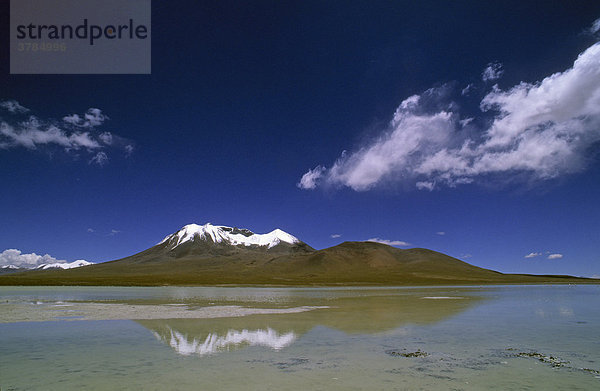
(213, 254)
(64, 265)
(10, 267)
(6, 269)
(45, 266)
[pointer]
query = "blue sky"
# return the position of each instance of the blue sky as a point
(468, 128)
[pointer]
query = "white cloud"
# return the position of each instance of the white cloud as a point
(464, 122)
(555, 256)
(466, 256)
(411, 134)
(425, 185)
(441, 233)
(73, 119)
(595, 27)
(34, 133)
(309, 179)
(533, 255)
(537, 131)
(93, 117)
(467, 89)
(17, 258)
(335, 236)
(13, 106)
(106, 138)
(492, 72)
(389, 242)
(100, 159)
(112, 232)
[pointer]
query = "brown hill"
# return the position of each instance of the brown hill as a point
(350, 263)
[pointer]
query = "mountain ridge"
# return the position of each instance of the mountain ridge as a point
(228, 235)
(216, 255)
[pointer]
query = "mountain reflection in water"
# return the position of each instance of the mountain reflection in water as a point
(362, 312)
(185, 345)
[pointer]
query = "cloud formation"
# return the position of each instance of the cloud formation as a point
(492, 72)
(533, 255)
(112, 232)
(335, 236)
(389, 242)
(13, 106)
(74, 133)
(555, 256)
(100, 159)
(535, 131)
(30, 261)
(595, 27)
(93, 117)
(310, 178)
(106, 138)
(33, 133)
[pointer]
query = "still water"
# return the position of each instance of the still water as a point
(198, 338)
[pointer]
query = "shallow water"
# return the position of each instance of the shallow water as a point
(167, 338)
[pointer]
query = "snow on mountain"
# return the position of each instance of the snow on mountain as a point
(215, 343)
(12, 267)
(64, 265)
(228, 235)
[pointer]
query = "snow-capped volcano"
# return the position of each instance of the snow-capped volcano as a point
(228, 235)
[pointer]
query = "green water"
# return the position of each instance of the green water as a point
(474, 338)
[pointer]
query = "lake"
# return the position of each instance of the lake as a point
(237, 338)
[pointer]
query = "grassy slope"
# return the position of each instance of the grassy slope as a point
(349, 263)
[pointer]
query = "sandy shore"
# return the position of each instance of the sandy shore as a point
(61, 311)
